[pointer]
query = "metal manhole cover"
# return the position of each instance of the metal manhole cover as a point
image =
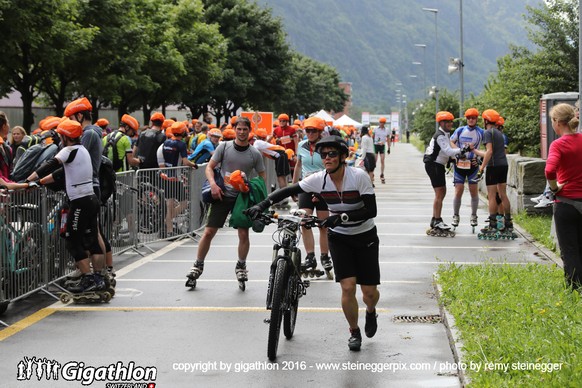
(417, 318)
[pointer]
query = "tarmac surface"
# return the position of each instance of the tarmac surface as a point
(215, 335)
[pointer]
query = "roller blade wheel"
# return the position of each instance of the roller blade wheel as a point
(65, 298)
(242, 285)
(313, 272)
(191, 282)
(329, 274)
(440, 232)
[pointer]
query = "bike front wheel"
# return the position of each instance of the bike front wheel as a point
(279, 283)
(290, 314)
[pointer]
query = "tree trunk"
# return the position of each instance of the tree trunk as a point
(27, 96)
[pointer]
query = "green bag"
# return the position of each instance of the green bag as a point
(257, 193)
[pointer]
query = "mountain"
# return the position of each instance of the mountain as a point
(372, 42)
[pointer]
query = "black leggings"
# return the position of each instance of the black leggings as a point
(81, 230)
(568, 222)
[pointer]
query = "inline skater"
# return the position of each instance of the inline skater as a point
(381, 137)
(436, 156)
(353, 238)
(231, 155)
(495, 160)
(466, 168)
(308, 163)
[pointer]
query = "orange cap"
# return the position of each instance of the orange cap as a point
(314, 122)
(102, 122)
(444, 116)
(157, 116)
(79, 105)
(70, 128)
(471, 112)
(131, 121)
(261, 133)
(382, 119)
(233, 120)
(49, 123)
(178, 128)
(237, 180)
(228, 134)
(283, 116)
(490, 115)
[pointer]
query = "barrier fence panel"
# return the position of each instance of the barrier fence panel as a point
(119, 218)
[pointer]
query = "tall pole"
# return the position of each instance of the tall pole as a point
(423, 46)
(462, 64)
(436, 57)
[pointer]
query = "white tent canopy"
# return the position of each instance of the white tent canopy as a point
(323, 115)
(346, 120)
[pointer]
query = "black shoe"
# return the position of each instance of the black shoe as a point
(355, 341)
(371, 324)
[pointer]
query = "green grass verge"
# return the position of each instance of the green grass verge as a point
(538, 226)
(417, 143)
(515, 315)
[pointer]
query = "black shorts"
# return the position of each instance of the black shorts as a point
(82, 227)
(218, 212)
(306, 202)
(436, 173)
(282, 165)
(356, 256)
(496, 175)
(370, 162)
(379, 148)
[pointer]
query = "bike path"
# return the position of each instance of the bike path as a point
(219, 331)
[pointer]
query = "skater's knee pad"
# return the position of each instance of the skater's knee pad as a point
(76, 249)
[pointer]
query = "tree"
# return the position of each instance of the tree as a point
(424, 119)
(43, 35)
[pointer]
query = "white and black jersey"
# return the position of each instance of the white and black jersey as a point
(356, 183)
(78, 171)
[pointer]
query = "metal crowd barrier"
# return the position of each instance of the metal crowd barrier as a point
(149, 206)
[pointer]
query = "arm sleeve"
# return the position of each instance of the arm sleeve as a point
(279, 195)
(445, 144)
(47, 167)
(368, 211)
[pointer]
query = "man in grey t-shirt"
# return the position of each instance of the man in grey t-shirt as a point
(233, 155)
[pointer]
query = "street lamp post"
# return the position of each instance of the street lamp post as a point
(423, 47)
(436, 56)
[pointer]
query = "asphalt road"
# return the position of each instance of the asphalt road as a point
(215, 335)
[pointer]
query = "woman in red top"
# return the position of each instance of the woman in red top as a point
(564, 176)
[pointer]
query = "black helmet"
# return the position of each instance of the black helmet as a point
(334, 142)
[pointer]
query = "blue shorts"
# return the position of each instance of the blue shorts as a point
(461, 175)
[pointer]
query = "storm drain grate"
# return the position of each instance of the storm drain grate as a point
(417, 318)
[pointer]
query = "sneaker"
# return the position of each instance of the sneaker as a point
(371, 324)
(538, 198)
(439, 224)
(456, 220)
(355, 341)
(544, 202)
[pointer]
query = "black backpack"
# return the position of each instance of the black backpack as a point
(107, 179)
(148, 143)
(31, 159)
(112, 140)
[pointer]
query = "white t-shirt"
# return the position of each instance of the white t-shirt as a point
(367, 146)
(356, 183)
(78, 172)
(380, 135)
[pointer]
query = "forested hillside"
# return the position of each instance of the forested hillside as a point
(372, 42)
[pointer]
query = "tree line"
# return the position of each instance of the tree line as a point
(207, 56)
(523, 76)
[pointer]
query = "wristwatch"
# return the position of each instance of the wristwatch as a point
(344, 217)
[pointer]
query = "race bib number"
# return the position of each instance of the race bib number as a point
(285, 139)
(464, 164)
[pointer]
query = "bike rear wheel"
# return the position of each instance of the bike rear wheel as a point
(279, 283)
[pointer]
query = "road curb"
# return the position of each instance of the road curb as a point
(453, 334)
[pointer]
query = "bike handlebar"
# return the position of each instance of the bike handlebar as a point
(297, 216)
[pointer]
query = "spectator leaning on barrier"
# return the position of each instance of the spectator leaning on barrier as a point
(565, 180)
(231, 156)
(117, 144)
(148, 142)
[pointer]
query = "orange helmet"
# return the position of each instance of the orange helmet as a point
(261, 133)
(290, 153)
(501, 121)
(102, 123)
(228, 134)
(79, 105)
(490, 115)
(297, 122)
(129, 120)
(70, 128)
(49, 123)
(471, 112)
(275, 123)
(314, 122)
(167, 123)
(157, 116)
(179, 128)
(233, 120)
(283, 116)
(168, 132)
(444, 116)
(238, 181)
(382, 119)
(215, 132)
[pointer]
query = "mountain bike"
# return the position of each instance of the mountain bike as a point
(285, 283)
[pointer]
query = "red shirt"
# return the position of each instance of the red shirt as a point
(286, 136)
(564, 164)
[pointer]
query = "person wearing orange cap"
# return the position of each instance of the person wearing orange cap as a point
(228, 134)
(148, 142)
(466, 168)
(436, 157)
(495, 160)
(205, 150)
(231, 156)
(285, 135)
(276, 153)
(104, 125)
(73, 162)
(381, 138)
(173, 154)
(117, 144)
(310, 162)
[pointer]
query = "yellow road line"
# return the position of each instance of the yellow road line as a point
(201, 309)
(24, 323)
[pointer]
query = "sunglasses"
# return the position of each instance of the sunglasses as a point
(331, 154)
(311, 130)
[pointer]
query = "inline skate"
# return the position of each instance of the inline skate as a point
(90, 289)
(456, 221)
(241, 274)
(489, 232)
(309, 267)
(439, 229)
(382, 179)
(507, 232)
(194, 274)
(473, 222)
(327, 265)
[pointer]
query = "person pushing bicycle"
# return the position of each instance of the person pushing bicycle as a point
(352, 234)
